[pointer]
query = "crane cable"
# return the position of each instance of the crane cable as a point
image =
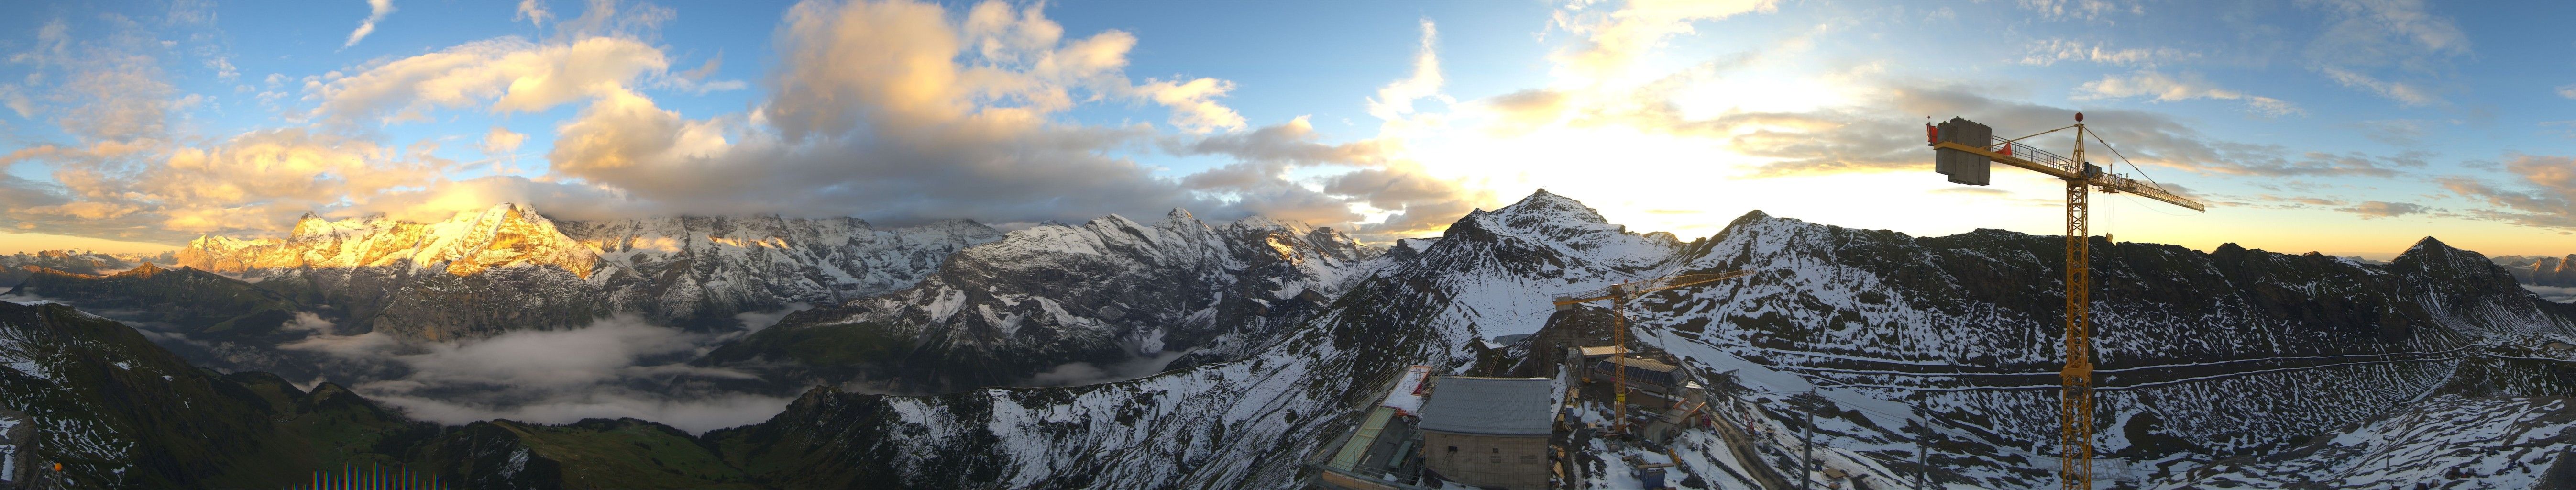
(2142, 175)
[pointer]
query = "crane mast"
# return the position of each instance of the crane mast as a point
(1618, 294)
(1963, 150)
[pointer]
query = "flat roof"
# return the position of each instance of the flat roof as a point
(1404, 398)
(1490, 406)
(1645, 364)
(1598, 351)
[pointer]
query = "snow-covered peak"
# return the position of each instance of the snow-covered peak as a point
(2431, 255)
(1264, 222)
(1544, 203)
(504, 235)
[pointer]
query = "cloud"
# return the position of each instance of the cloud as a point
(615, 367)
(611, 18)
(2166, 88)
(309, 322)
(533, 12)
(509, 74)
(1084, 373)
(1293, 143)
(360, 347)
(754, 321)
(1610, 42)
(896, 111)
(692, 415)
(2090, 11)
(2553, 293)
(695, 79)
(1396, 99)
(2546, 198)
(2403, 35)
(1525, 110)
(2384, 33)
(2400, 132)
(2047, 52)
(1418, 201)
(2408, 95)
(501, 141)
(900, 63)
(155, 191)
(376, 10)
(111, 86)
(1846, 140)
(2384, 209)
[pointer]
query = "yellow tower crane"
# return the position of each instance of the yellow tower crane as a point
(1618, 294)
(1963, 150)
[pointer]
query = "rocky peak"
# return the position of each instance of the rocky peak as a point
(310, 224)
(145, 270)
(2431, 253)
(1544, 203)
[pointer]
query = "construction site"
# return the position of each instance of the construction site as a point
(1610, 414)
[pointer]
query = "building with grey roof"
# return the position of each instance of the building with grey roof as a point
(1489, 432)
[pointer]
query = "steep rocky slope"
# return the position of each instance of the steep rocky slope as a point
(117, 411)
(1109, 291)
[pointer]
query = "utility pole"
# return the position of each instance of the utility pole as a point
(1807, 450)
(1922, 450)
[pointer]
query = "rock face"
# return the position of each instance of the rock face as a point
(508, 267)
(1109, 291)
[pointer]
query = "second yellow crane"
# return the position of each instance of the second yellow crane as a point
(1618, 294)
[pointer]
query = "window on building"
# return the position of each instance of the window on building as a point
(1453, 449)
(1498, 450)
(1495, 459)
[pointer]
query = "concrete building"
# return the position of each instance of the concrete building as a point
(1489, 432)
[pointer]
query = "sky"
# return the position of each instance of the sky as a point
(2346, 128)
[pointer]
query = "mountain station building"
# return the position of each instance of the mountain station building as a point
(1489, 432)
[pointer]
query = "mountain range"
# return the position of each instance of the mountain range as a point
(2541, 270)
(2216, 368)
